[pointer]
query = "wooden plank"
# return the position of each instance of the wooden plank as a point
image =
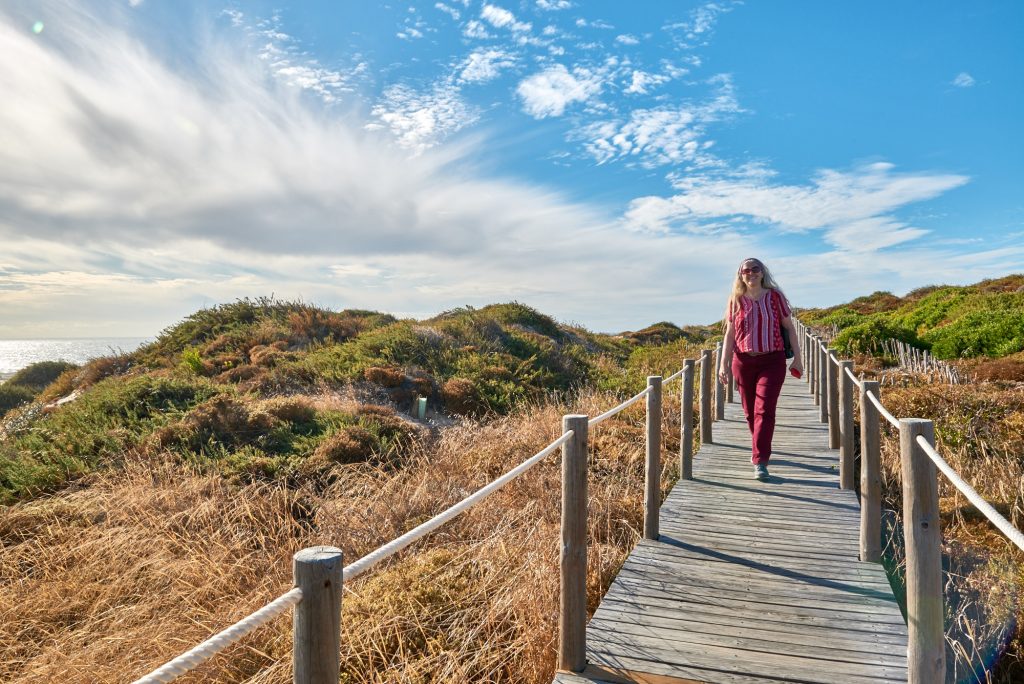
(752, 582)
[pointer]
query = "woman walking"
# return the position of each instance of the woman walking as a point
(754, 353)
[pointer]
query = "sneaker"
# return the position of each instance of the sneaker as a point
(761, 472)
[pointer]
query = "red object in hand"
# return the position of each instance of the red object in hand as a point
(795, 373)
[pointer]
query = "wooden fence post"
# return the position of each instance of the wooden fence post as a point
(719, 387)
(822, 383)
(652, 468)
(926, 646)
(706, 378)
(686, 414)
(316, 621)
(730, 388)
(811, 366)
(833, 400)
(846, 478)
(572, 618)
(870, 474)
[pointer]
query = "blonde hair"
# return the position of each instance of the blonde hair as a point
(739, 288)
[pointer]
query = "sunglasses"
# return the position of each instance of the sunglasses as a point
(752, 269)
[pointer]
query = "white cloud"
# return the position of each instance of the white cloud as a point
(451, 11)
(662, 135)
(640, 81)
(702, 21)
(552, 5)
(502, 18)
(852, 208)
(409, 33)
(422, 119)
(549, 92)
(475, 29)
(963, 80)
(627, 39)
(485, 65)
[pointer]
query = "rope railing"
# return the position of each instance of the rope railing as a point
(617, 409)
(221, 640)
(849, 372)
(881, 409)
(391, 548)
(294, 597)
(1004, 525)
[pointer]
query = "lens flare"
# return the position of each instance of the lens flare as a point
(37, 27)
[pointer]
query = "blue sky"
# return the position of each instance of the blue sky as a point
(608, 163)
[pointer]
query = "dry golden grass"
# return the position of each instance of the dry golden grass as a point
(109, 579)
(978, 432)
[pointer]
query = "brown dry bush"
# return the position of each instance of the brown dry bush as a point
(107, 582)
(385, 377)
(462, 397)
(978, 432)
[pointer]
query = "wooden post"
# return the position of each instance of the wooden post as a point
(316, 621)
(811, 366)
(926, 645)
(686, 413)
(719, 387)
(572, 618)
(870, 474)
(652, 481)
(706, 378)
(823, 365)
(846, 479)
(833, 400)
(730, 388)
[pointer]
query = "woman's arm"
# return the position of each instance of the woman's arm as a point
(728, 345)
(794, 341)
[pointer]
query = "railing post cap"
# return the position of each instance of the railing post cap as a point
(576, 416)
(318, 554)
(913, 421)
(653, 378)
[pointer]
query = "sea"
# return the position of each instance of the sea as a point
(16, 354)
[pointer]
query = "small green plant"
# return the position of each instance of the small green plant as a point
(192, 361)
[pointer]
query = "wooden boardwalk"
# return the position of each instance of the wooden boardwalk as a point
(752, 581)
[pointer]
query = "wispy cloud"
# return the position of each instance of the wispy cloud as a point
(422, 119)
(552, 5)
(627, 39)
(853, 208)
(485, 65)
(447, 9)
(662, 135)
(549, 92)
(963, 80)
(500, 17)
(641, 81)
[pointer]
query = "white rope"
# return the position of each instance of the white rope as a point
(849, 371)
(611, 412)
(677, 374)
(881, 409)
(218, 642)
(391, 548)
(992, 514)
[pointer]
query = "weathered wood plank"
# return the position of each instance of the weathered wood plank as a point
(752, 582)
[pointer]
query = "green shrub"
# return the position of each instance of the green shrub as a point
(867, 337)
(38, 376)
(13, 396)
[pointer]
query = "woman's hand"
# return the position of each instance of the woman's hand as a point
(723, 376)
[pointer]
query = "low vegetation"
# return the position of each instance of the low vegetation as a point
(166, 499)
(981, 320)
(174, 488)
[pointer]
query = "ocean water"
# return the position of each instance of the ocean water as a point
(16, 354)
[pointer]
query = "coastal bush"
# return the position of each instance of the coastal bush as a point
(97, 430)
(13, 396)
(39, 375)
(867, 337)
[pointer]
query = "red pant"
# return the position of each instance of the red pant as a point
(759, 380)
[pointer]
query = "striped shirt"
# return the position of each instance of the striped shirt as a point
(755, 323)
